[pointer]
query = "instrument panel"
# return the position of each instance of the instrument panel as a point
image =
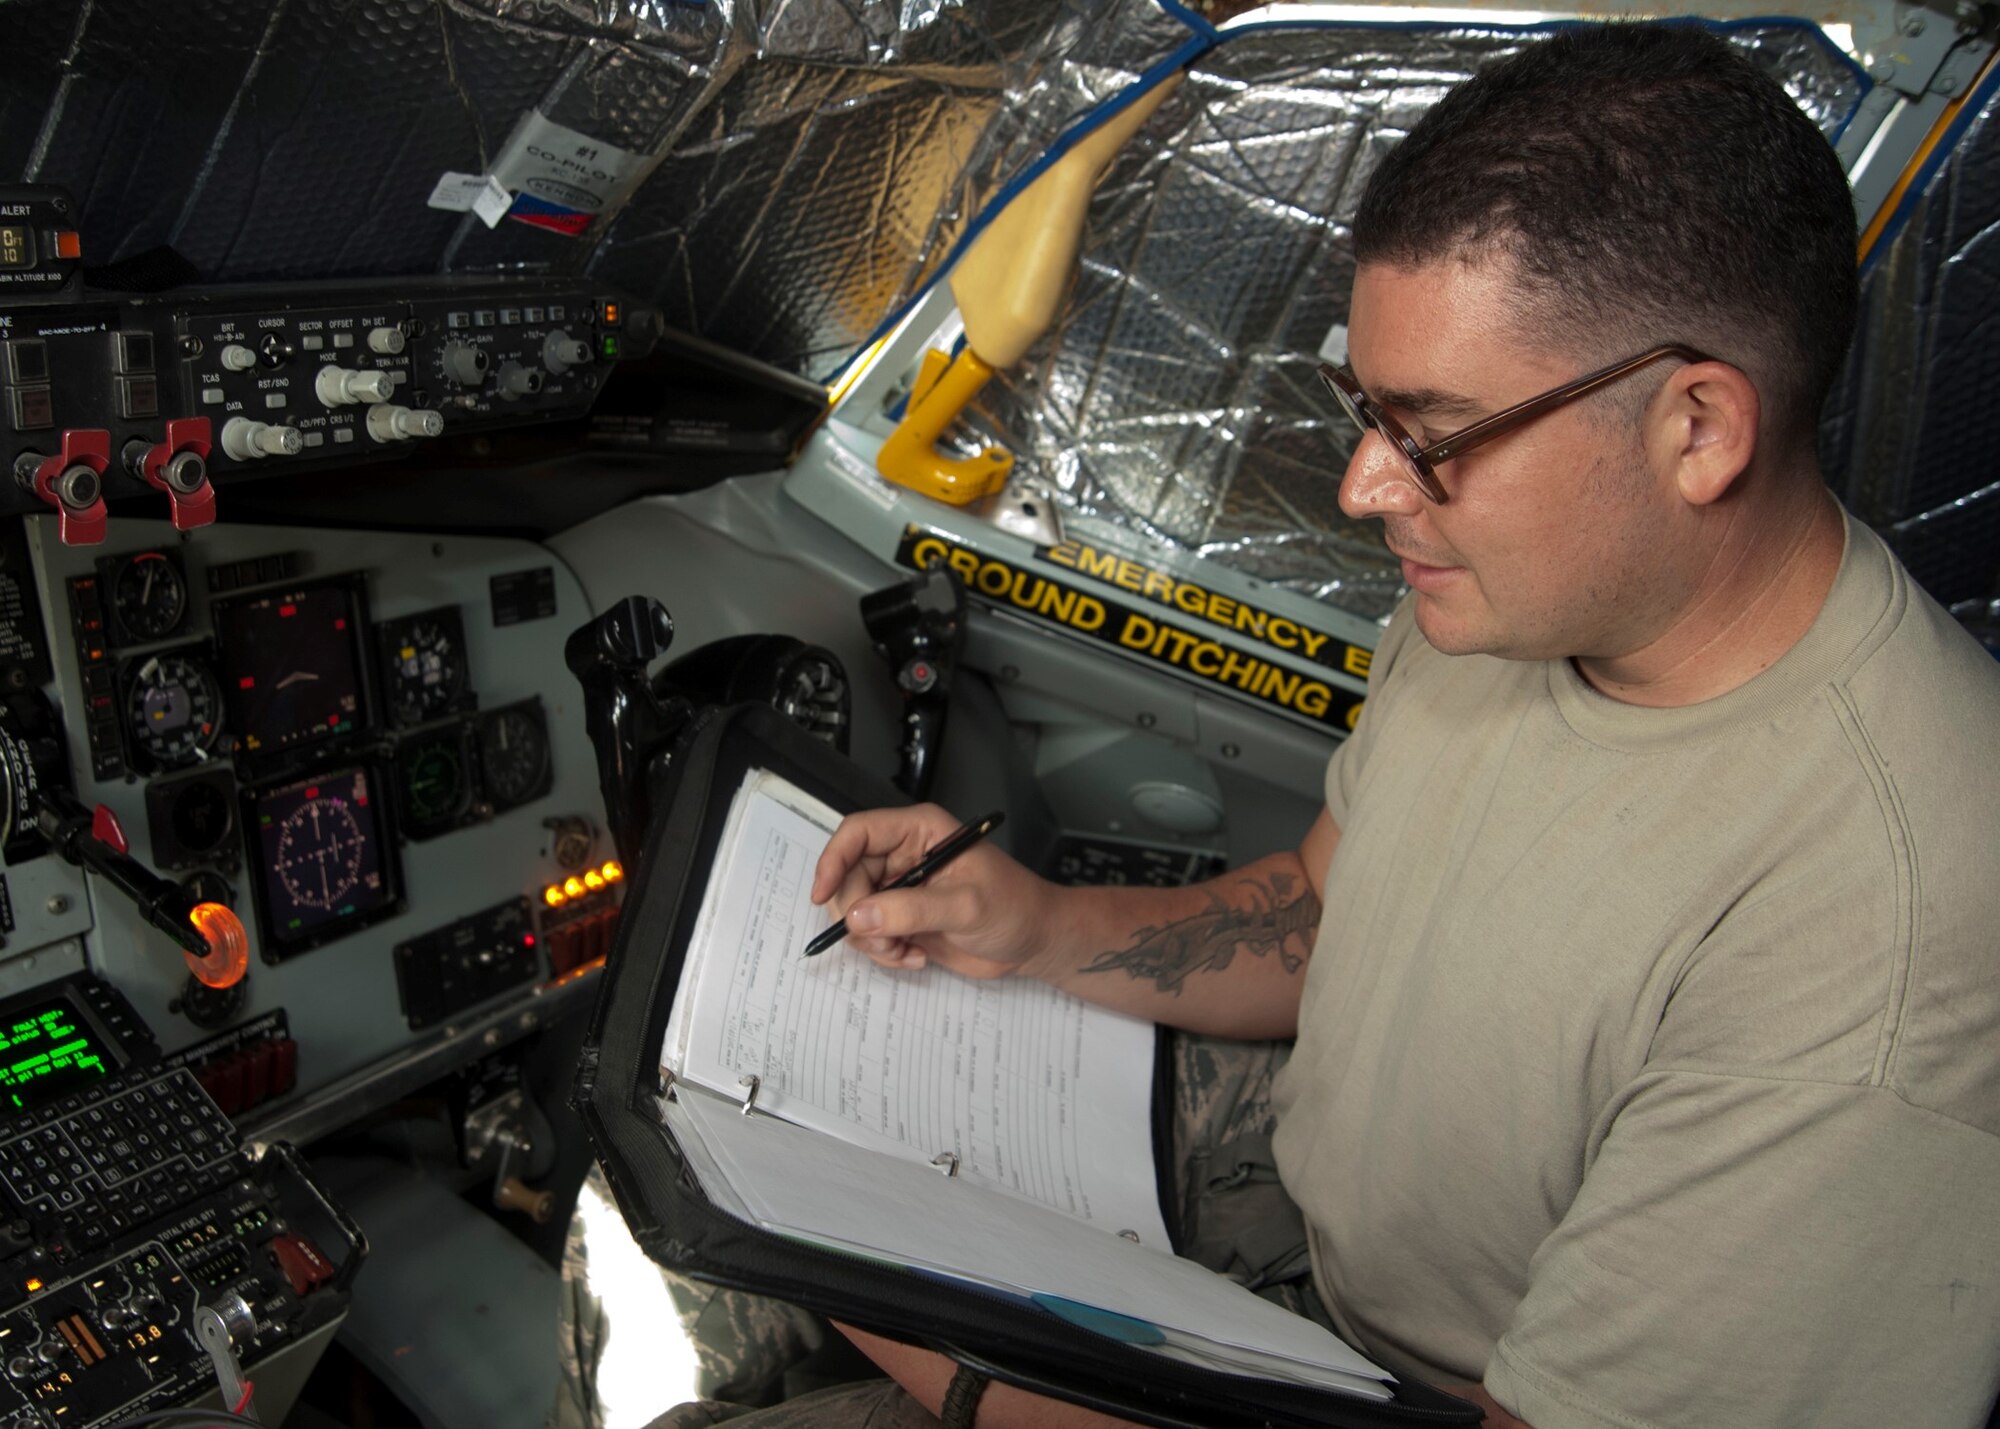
(358, 740)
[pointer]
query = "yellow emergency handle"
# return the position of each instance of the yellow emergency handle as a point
(1008, 287)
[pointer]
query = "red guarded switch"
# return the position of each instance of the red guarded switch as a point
(179, 467)
(73, 482)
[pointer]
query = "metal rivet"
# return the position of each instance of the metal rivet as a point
(1147, 719)
(1913, 26)
(58, 904)
(1231, 751)
(1010, 673)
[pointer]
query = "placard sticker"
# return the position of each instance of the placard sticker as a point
(563, 177)
(476, 193)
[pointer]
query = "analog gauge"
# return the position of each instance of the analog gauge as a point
(200, 817)
(209, 887)
(319, 853)
(173, 710)
(149, 596)
(514, 754)
(436, 785)
(425, 660)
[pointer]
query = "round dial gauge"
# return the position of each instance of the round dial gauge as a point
(149, 596)
(435, 787)
(174, 710)
(426, 669)
(319, 852)
(200, 817)
(514, 753)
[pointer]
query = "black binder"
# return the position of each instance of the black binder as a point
(617, 1093)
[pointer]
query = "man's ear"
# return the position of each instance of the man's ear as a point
(1705, 422)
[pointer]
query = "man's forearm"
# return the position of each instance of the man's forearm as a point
(1226, 957)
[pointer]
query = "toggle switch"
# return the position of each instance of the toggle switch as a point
(72, 481)
(179, 467)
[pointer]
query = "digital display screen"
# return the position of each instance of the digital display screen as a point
(323, 863)
(47, 1050)
(17, 247)
(291, 666)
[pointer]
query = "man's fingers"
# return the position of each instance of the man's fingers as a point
(883, 841)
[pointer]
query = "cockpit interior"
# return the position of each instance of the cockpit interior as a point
(412, 412)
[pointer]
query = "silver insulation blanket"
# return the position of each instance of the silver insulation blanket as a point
(809, 165)
(1911, 440)
(1177, 399)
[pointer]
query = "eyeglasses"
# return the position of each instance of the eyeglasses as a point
(1422, 461)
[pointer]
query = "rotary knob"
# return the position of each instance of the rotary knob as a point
(517, 381)
(245, 440)
(238, 358)
(386, 340)
(560, 352)
(465, 363)
(340, 386)
(390, 423)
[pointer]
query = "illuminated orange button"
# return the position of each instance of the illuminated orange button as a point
(554, 896)
(593, 880)
(574, 887)
(69, 243)
(612, 871)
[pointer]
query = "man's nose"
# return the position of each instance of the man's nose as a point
(1378, 481)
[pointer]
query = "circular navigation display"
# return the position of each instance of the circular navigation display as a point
(325, 863)
(149, 596)
(320, 848)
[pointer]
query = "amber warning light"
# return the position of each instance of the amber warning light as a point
(228, 946)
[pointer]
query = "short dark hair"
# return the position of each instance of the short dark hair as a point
(1652, 185)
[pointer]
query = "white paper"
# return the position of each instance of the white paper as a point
(566, 166)
(480, 193)
(829, 1193)
(1032, 1090)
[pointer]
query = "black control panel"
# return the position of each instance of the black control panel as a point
(104, 395)
(131, 1211)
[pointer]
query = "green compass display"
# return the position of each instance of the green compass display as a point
(435, 782)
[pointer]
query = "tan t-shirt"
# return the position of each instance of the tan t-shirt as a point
(1649, 1061)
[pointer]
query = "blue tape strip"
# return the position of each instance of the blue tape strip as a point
(1927, 172)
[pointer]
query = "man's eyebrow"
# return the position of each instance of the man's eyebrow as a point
(1428, 401)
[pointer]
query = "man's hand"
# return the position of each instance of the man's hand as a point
(981, 915)
(1226, 957)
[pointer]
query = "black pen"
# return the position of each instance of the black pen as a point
(960, 840)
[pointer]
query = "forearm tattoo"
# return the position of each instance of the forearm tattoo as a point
(1281, 917)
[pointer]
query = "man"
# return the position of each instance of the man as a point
(1648, 1047)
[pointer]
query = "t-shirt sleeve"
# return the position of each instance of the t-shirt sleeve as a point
(1756, 1251)
(1343, 771)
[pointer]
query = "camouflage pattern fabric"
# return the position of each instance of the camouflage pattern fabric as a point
(1235, 1219)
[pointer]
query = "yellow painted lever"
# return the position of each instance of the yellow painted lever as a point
(1009, 286)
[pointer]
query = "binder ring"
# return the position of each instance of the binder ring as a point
(947, 1162)
(753, 1082)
